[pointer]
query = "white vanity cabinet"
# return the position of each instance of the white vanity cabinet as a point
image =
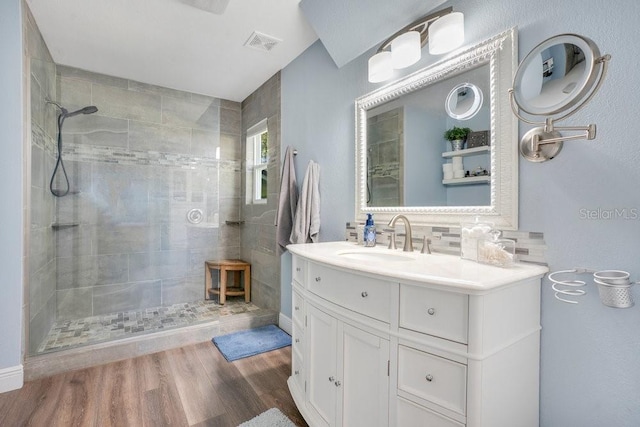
(456, 345)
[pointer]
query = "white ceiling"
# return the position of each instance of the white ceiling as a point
(174, 44)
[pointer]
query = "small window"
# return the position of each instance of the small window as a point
(257, 160)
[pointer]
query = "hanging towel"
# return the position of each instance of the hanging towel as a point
(306, 224)
(287, 202)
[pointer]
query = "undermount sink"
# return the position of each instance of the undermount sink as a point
(375, 256)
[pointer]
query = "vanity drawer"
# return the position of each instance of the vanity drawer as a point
(438, 313)
(297, 339)
(358, 293)
(297, 308)
(297, 370)
(412, 415)
(433, 378)
(298, 269)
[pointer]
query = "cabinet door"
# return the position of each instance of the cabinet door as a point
(321, 364)
(363, 393)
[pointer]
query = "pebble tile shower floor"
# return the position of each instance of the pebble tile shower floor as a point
(67, 334)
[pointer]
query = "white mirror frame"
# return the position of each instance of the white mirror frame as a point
(500, 52)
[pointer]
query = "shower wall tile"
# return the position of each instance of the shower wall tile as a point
(125, 297)
(198, 257)
(126, 104)
(42, 248)
(126, 238)
(204, 143)
(187, 236)
(75, 241)
(230, 147)
(37, 103)
(39, 178)
(158, 90)
(102, 79)
(230, 121)
(76, 208)
(96, 130)
(42, 287)
(186, 289)
(40, 324)
(74, 303)
(155, 137)
(74, 94)
(205, 99)
(85, 271)
(42, 210)
(232, 105)
(229, 179)
(158, 265)
(180, 113)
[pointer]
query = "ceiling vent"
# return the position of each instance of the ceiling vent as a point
(263, 42)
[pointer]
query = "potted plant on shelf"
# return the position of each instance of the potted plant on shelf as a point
(457, 136)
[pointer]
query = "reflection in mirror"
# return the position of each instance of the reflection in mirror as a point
(403, 160)
(464, 101)
(555, 75)
(405, 146)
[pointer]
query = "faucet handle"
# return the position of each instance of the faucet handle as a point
(392, 240)
(426, 242)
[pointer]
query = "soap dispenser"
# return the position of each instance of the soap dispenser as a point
(369, 232)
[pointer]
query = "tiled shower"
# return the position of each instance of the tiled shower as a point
(121, 241)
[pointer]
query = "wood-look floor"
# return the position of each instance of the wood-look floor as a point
(188, 386)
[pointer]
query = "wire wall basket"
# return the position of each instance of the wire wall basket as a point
(614, 287)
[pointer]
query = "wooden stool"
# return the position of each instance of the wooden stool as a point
(234, 265)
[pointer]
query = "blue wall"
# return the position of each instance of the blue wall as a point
(11, 249)
(590, 372)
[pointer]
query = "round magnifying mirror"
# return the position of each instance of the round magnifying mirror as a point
(464, 101)
(556, 75)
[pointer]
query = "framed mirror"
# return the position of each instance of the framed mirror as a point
(400, 148)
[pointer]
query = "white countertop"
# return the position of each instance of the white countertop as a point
(436, 269)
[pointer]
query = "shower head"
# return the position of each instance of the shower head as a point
(86, 110)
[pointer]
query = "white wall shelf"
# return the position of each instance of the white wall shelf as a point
(467, 152)
(484, 179)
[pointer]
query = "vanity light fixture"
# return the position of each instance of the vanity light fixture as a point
(403, 49)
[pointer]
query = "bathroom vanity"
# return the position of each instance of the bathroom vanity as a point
(392, 338)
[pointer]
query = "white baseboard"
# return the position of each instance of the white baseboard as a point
(285, 324)
(11, 378)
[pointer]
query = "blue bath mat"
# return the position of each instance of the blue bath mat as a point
(251, 342)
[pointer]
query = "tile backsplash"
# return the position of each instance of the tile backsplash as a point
(530, 246)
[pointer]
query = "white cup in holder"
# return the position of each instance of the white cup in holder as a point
(612, 277)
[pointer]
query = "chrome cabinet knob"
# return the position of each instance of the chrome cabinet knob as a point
(431, 311)
(364, 294)
(331, 379)
(338, 383)
(429, 377)
(296, 372)
(298, 269)
(297, 308)
(297, 340)
(318, 279)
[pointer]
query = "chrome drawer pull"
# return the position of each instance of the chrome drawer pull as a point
(431, 311)
(429, 377)
(318, 278)
(364, 294)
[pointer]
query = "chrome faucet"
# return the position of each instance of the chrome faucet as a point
(408, 242)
